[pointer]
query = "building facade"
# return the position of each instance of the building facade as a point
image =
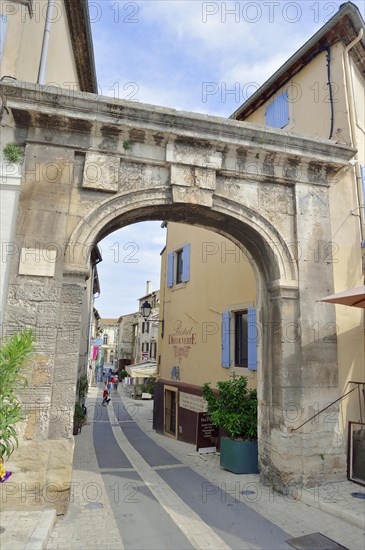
(92, 372)
(26, 56)
(109, 332)
(208, 304)
(146, 330)
(320, 91)
(64, 60)
(126, 340)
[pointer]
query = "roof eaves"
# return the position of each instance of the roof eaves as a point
(81, 38)
(298, 58)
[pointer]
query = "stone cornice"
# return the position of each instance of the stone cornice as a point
(35, 106)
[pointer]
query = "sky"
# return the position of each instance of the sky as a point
(205, 57)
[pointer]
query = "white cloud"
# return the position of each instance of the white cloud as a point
(167, 57)
(131, 256)
(252, 75)
(234, 28)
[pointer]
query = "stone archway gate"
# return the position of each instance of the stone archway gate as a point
(92, 165)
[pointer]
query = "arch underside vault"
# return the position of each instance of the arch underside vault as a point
(79, 184)
(246, 228)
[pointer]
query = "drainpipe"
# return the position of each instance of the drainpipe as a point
(44, 51)
(350, 100)
(329, 84)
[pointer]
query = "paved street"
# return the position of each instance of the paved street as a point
(133, 488)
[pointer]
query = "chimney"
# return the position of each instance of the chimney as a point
(148, 288)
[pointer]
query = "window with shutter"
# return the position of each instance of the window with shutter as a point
(170, 269)
(153, 350)
(226, 339)
(240, 339)
(252, 338)
(277, 113)
(179, 266)
(245, 339)
(185, 263)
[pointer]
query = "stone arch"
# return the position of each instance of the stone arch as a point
(188, 168)
(242, 225)
(273, 263)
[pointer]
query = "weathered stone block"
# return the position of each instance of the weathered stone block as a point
(62, 410)
(101, 172)
(193, 154)
(45, 164)
(41, 263)
(233, 188)
(192, 196)
(43, 473)
(187, 176)
(135, 176)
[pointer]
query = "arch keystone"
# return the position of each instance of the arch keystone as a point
(193, 184)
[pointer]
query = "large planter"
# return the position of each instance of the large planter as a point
(239, 457)
(77, 427)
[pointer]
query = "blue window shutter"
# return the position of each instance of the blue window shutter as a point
(362, 172)
(252, 339)
(277, 113)
(226, 340)
(170, 269)
(186, 264)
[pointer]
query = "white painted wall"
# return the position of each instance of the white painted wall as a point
(10, 178)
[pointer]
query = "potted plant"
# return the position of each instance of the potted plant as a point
(78, 419)
(123, 374)
(233, 408)
(83, 388)
(148, 386)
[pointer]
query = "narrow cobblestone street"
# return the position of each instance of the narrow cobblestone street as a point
(133, 488)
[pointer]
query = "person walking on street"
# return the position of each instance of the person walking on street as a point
(106, 397)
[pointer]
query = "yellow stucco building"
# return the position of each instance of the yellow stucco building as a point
(208, 303)
(319, 91)
(49, 43)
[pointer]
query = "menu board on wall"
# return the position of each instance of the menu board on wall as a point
(206, 434)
